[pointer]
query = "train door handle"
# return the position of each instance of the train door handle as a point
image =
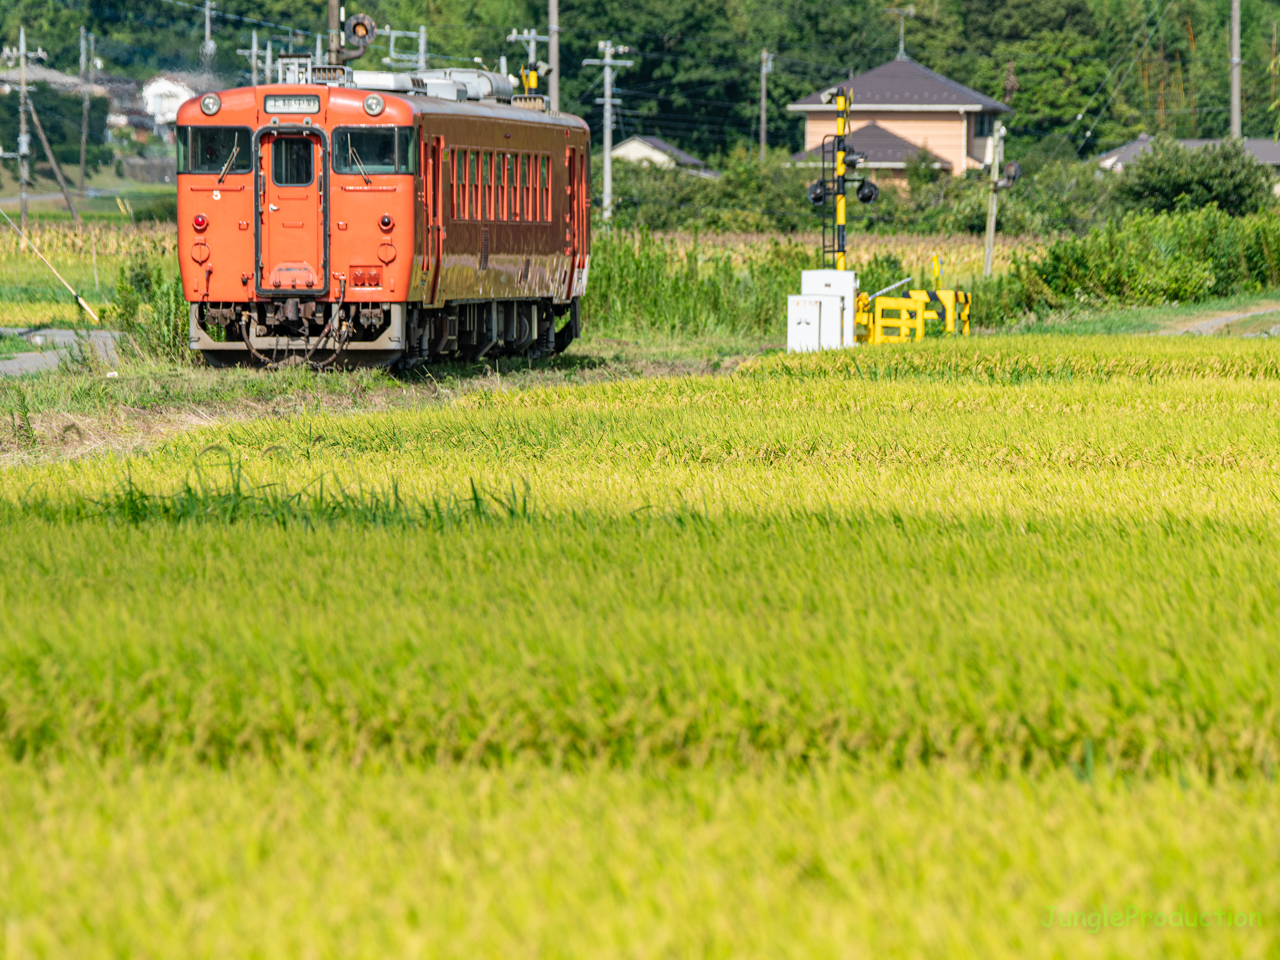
(272, 207)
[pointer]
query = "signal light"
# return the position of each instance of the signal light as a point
(386, 223)
(200, 221)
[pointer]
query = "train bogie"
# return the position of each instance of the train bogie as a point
(329, 223)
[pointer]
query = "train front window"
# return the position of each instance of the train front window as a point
(371, 150)
(208, 149)
(292, 162)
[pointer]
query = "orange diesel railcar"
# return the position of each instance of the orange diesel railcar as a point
(381, 219)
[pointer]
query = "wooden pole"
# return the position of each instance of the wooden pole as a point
(53, 162)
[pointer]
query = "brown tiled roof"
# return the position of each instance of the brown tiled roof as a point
(905, 83)
(881, 148)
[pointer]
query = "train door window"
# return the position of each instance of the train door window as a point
(292, 162)
(545, 187)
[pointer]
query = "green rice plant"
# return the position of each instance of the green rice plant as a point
(378, 860)
(1007, 556)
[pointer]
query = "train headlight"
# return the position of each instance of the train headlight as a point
(210, 104)
(374, 105)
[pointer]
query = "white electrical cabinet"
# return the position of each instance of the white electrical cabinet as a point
(837, 330)
(813, 323)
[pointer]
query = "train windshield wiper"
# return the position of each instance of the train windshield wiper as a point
(355, 155)
(235, 149)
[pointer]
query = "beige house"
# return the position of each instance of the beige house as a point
(902, 107)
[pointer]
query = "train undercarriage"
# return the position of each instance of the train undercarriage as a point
(297, 331)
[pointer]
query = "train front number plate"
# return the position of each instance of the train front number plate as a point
(295, 104)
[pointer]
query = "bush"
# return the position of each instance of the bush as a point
(151, 314)
(1146, 259)
(1170, 177)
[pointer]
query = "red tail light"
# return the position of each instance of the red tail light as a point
(200, 221)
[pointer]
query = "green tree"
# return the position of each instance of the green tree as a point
(1171, 177)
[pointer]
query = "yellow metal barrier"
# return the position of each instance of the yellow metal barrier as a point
(902, 319)
(896, 320)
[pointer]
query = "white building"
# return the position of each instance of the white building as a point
(162, 95)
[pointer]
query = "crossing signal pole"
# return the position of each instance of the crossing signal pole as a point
(842, 120)
(608, 49)
(766, 68)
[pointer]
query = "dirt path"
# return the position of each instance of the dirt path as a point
(1213, 324)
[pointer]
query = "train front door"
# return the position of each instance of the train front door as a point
(292, 243)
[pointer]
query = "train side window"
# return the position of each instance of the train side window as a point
(504, 187)
(459, 184)
(545, 188)
(486, 186)
(292, 162)
(530, 193)
(473, 186)
(407, 150)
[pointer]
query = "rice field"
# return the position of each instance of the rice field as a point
(903, 651)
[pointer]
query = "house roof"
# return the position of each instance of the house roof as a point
(1263, 149)
(672, 151)
(902, 85)
(883, 150)
(54, 78)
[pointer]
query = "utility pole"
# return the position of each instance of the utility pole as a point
(24, 138)
(608, 49)
(335, 35)
(84, 113)
(997, 156)
(766, 68)
(902, 13)
(208, 49)
(252, 54)
(400, 59)
(1235, 69)
(553, 53)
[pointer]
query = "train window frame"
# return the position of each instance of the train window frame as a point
(186, 153)
(473, 185)
(404, 156)
(276, 143)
